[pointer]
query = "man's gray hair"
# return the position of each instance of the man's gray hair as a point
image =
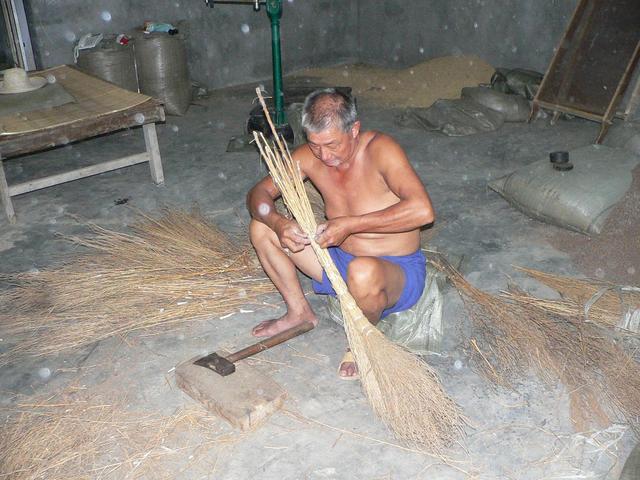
(328, 108)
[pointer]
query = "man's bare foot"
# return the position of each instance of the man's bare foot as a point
(288, 320)
(348, 369)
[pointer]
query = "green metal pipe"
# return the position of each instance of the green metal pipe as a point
(274, 11)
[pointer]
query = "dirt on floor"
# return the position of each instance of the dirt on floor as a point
(614, 255)
(417, 86)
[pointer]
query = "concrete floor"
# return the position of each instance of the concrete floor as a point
(523, 434)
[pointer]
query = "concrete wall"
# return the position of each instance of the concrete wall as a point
(229, 44)
(6, 57)
(505, 33)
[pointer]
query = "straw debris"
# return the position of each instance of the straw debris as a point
(402, 390)
(73, 437)
(169, 270)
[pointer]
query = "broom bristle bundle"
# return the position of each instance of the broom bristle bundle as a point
(608, 303)
(403, 391)
(516, 335)
(170, 270)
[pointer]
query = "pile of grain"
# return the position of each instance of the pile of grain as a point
(416, 86)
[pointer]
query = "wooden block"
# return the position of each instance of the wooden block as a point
(245, 399)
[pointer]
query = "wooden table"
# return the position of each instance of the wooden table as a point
(101, 108)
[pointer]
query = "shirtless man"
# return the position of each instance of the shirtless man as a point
(375, 205)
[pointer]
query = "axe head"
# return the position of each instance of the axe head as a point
(217, 363)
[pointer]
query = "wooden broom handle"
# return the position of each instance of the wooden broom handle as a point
(267, 343)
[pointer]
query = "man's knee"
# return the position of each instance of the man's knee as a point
(259, 233)
(365, 277)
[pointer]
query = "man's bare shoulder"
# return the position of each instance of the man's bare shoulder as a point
(301, 151)
(381, 147)
(303, 155)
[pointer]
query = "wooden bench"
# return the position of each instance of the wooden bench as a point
(101, 108)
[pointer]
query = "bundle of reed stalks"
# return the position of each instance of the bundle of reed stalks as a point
(609, 305)
(169, 270)
(513, 338)
(402, 389)
(315, 199)
(81, 437)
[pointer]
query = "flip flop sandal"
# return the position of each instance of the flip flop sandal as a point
(347, 358)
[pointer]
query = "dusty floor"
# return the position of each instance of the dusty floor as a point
(328, 431)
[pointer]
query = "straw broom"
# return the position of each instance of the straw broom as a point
(514, 337)
(402, 390)
(563, 307)
(609, 305)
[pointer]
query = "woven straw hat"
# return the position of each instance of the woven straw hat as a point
(17, 81)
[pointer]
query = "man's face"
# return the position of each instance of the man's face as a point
(333, 146)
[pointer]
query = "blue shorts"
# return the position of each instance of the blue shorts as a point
(413, 265)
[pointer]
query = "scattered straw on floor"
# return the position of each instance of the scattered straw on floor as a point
(167, 271)
(513, 338)
(73, 438)
(417, 86)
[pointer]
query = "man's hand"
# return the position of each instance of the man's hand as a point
(291, 235)
(334, 232)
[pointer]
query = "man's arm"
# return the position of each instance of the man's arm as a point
(414, 208)
(261, 206)
(412, 211)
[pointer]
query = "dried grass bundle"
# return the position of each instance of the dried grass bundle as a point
(168, 271)
(607, 304)
(66, 437)
(403, 391)
(315, 199)
(514, 337)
